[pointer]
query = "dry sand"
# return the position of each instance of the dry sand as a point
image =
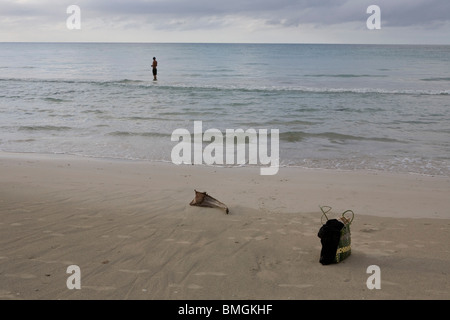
(129, 227)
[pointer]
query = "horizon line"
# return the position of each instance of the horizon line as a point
(237, 43)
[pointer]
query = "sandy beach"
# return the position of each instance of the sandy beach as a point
(129, 227)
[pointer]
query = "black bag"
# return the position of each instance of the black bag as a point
(335, 238)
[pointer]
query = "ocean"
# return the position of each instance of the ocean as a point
(347, 107)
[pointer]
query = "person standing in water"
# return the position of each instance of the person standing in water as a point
(154, 70)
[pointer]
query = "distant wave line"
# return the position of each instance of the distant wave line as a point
(346, 75)
(249, 88)
(140, 134)
(44, 128)
(436, 79)
(300, 89)
(297, 136)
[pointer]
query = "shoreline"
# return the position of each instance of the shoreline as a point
(310, 181)
(129, 226)
(68, 156)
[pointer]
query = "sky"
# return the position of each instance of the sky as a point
(229, 21)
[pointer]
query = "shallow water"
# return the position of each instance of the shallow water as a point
(336, 106)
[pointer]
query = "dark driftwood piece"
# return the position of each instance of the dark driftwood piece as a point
(202, 199)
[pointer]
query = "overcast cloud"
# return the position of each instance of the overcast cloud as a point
(403, 21)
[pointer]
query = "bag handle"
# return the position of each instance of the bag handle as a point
(324, 213)
(326, 209)
(349, 220)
